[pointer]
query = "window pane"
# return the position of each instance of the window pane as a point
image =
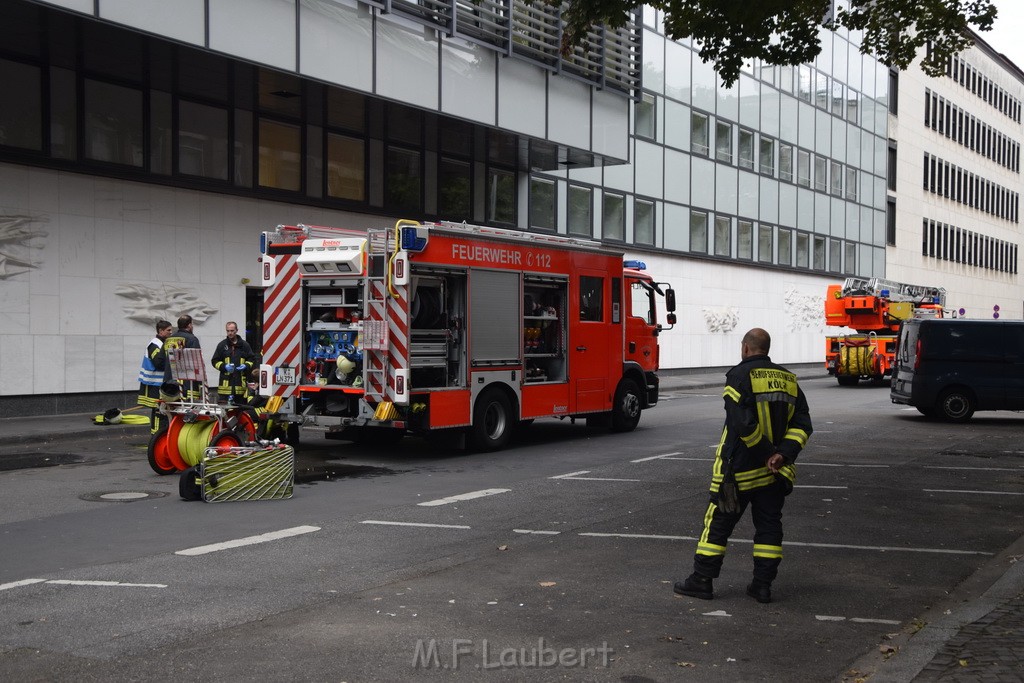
(202, 140)
(723, 142)
(591, 298)
(803, 168)
(837, 178)
(851, 183)
(820, 171)
(699, 133)
(346, 168)
(745, 240)
(785, 162)
(580, 210)
(63, 108)
(113, 123)
(851, 258)
(785, 246)
(280, 156)
(501, 196)
(802, 249)
(819, 253)
(723, 236)
(403, 182)
(614, 222)
(643, 222)
(767, 156)
(746, 149)
(699, 232)
(835, 256)
(21, 114)
(764, 243)
(346, 109)
(160, 132)
(644, 110)
(542, 203)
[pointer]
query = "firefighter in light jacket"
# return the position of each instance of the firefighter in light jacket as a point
(151, 374)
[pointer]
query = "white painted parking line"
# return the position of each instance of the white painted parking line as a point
(463, 496)
(420, 524)
(656, 457)
(804, 463)
(816, 486)
(71, 582)
(575, 476)
(19, 584)
(856, 620)
(985, 493)
(539, 532)
(838, 546)
(250, 540)
(975, 469)
(571, 474)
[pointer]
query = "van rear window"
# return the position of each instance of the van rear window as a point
(963, 342)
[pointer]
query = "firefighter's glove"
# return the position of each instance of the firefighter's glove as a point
(228, 367)
(241, 367)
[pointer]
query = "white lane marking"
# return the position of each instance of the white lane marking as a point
(539, 532)
(815, 486)
(19, 584)
(570, 474)
(856, 620)
(717, 613)
(72, 582)
(987, 493)
(575, 476)
(463, 496)
(975, 469)
(689, 459)
(250, 540)
(839, 464)
(421, 524)
(656, 457)
(841, 546)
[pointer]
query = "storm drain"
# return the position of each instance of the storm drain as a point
(25, 461)
(121, 496)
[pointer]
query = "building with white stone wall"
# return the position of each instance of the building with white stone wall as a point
(150, 143)
(955, 196)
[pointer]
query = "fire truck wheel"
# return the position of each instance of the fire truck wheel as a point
(292, 434)
(956, 405)
(157, 453)
(847, 381)
(627, 406)
(492, 422)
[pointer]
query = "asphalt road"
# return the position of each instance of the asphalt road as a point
(563, 571)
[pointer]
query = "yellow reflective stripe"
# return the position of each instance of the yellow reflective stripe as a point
(798, 435)
(765, 418)
(710, 549)
(747, 475)
(789, 472)
(729, 392)
(755, 483)
(753, 438)
(708, 515)
(769, 551)
(147, 401)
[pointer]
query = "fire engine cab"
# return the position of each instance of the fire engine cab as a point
(455, 329)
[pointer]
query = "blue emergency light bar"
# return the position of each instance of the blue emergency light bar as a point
(414, 238)
(634, 264)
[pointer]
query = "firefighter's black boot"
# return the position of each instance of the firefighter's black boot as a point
(695, 586)
(762, 592)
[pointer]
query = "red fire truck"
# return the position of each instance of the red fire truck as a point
(446, 328)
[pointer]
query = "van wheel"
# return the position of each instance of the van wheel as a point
(847, 381)
(627, 407)
(492, 422)
(956, 405)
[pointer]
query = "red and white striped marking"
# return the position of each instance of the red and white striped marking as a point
(282, 320)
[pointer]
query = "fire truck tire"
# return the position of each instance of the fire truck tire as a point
(492, 421)
(157, 455)
(627, 407)
(956, 405)
(292, 434)
(847, 381)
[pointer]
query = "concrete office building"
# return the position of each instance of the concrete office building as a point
(955, 183)
(145, 144)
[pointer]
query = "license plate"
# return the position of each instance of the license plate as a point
(284, 375)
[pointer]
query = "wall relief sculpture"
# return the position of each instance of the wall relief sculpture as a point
(18, 244)
(722, 319)
(803, 311)
(149, 304)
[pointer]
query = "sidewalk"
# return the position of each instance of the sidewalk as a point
(978, 635)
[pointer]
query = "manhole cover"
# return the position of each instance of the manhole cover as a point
(24, 461)
(121, 496)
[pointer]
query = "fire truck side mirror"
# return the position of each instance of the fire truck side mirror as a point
(670, 302)
(671, 318)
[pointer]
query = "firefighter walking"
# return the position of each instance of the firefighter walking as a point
(767, 424)
(234, 359)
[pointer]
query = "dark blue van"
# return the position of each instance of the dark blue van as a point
(950, 368)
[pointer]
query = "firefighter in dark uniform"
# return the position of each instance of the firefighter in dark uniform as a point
(182, 338)
(234, 359)
(151, 374)
(767, 424)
